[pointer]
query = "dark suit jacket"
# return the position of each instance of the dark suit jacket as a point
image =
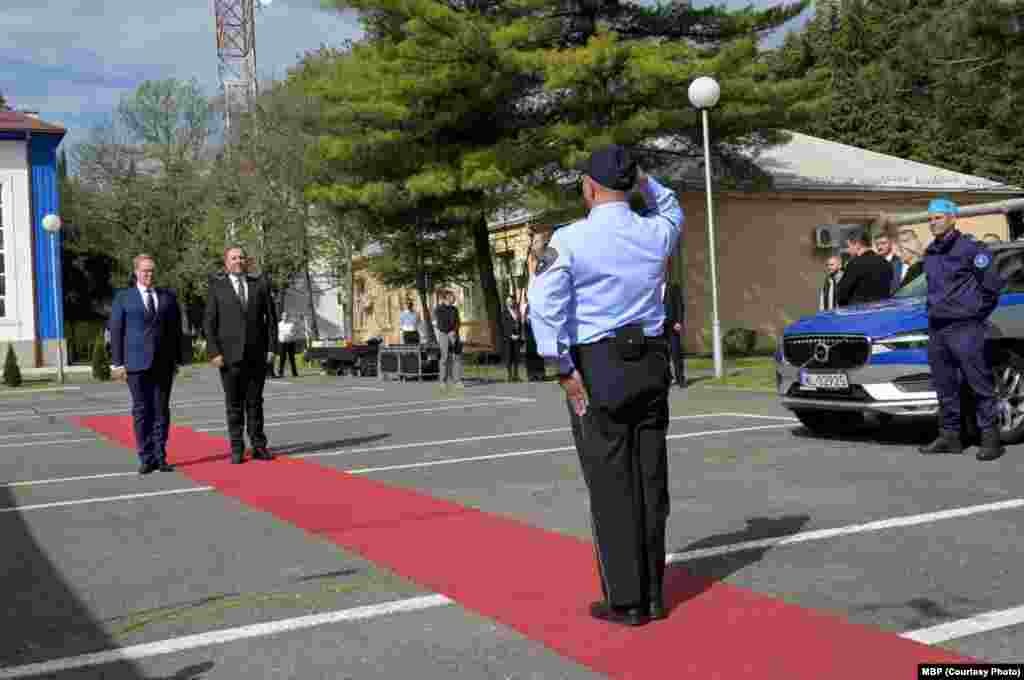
(511, 323)
(239, 334)
(915, 270)
(138, 345)
(674, 309)
(867, 278)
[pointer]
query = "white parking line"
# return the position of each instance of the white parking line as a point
(513, 454)
(124, 407)
(365, 407)
(106, 499)
(367, 415)
(31, 435)
(982, 623)
(880, 525)
(49, 443)
(33, 390)
(359, 471)
(221, 637)
(341, 452)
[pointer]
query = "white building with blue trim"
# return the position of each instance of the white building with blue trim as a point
(31, 297)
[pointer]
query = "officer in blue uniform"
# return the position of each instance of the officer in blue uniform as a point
(595, 306)
(963, 289)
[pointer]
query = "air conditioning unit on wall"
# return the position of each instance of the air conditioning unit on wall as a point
(832, 236)
(824, 236)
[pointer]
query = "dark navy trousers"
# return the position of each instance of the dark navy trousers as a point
(623, 453)
(151, 411)
(957, 355)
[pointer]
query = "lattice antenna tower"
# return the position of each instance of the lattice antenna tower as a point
(236, 53)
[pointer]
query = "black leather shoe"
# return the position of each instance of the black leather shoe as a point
(991, 446)
(947, 442)
(237, 458)
(147, 468)
(624, 616)
(165, 467)
(657, 611)
(261, 453)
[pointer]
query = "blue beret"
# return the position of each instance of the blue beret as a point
(942, 205)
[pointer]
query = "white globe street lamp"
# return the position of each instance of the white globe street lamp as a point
(704, 93)
(52, 224)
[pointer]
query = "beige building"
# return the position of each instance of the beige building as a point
(770, 257)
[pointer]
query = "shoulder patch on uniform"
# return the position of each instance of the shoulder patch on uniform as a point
(982, 260)
(546, 259)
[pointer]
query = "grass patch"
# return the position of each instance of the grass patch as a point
(215, 609)
(750, 373)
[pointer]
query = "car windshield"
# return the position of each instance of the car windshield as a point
(916, 288)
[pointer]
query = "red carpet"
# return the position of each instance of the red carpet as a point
(539, 582)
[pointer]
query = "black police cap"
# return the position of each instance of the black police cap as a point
(611, 166)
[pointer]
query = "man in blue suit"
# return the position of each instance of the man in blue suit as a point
(146, 343)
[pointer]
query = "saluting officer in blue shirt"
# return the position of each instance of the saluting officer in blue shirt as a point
(595, 306)
(963, 289)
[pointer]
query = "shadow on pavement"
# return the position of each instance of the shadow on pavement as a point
(45, 619)
(678, 588)
(318, 447)
(924, 612)
(896, 434)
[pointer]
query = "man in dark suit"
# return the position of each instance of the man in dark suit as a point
(884, 248)
(867, 278)
(513, 336)
(674, 316)
(241, 336)
(146, 345)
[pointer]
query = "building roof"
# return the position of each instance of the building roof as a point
(807, 163)
(17, 121)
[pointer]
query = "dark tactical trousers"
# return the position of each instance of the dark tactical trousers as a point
(623, 454)
(958, 358)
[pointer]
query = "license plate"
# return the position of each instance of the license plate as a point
(825, 381)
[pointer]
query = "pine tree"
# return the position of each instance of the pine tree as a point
(100, 359)
(12, 374)
(466, 105)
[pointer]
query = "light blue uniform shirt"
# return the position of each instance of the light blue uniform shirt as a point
(604, 272)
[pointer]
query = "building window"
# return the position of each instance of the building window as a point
(3, 252)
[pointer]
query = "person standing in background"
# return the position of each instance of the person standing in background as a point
(833, 272)
(287, 332)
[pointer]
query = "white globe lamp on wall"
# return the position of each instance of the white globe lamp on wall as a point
(704, 93)
(52, 224)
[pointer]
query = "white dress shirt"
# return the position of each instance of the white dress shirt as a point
(239, 281)
(142, 292)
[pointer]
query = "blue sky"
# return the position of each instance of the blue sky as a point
(72, 60)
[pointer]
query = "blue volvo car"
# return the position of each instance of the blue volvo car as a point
(835, 370)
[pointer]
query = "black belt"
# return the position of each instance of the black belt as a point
(649, 338)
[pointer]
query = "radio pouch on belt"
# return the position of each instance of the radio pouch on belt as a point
(630, 343)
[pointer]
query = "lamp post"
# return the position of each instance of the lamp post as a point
(52, 225)
(704, 93)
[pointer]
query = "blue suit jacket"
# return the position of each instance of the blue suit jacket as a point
(138, 345)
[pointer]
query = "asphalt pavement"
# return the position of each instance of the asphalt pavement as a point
(111, 575)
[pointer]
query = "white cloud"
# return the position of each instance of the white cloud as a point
(74, 59)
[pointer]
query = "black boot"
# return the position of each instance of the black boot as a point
(991, 446)
(947, 442)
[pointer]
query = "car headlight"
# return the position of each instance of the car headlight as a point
(911, 340)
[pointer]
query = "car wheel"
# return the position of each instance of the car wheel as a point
(1009, 374)
(830, 422)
